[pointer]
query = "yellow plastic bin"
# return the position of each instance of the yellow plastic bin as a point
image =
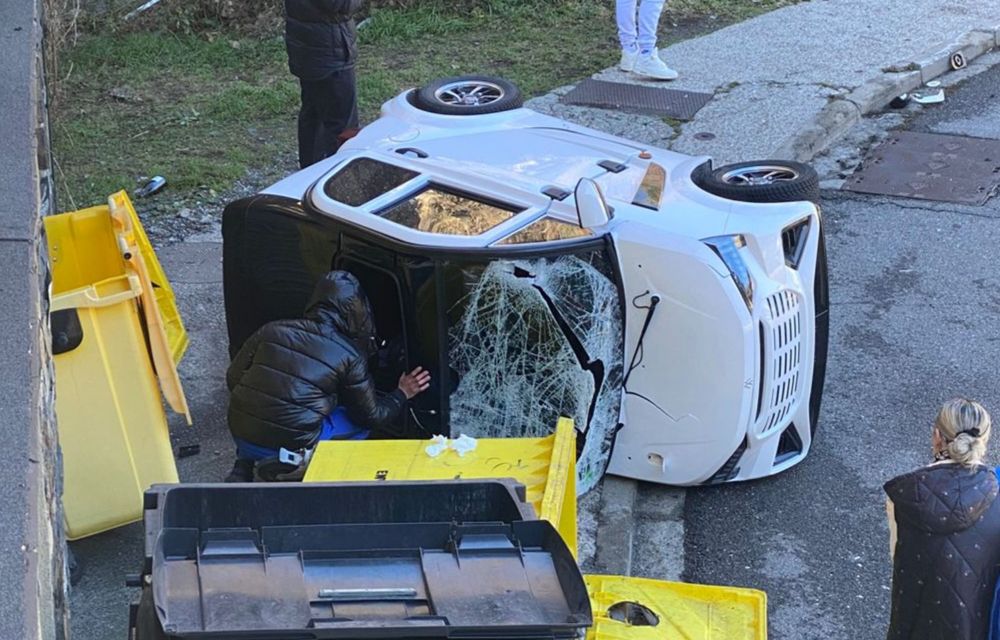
(109, 342)
(545, 466)
(680, 611)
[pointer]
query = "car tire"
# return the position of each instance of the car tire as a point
(147, 624)
(468, 96)
(761, 181)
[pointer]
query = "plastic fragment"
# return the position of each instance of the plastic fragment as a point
(438, 445)
(462, 445)
(188, 450)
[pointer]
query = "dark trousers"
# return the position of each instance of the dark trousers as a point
(329, 111)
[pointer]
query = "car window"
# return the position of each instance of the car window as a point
(436, 210)
(546, 230)
(364, 179)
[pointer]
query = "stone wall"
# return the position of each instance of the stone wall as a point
(32, 567)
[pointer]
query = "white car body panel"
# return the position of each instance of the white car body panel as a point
(697, 393)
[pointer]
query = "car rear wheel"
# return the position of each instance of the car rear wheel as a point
(761, 181)
(468, 96)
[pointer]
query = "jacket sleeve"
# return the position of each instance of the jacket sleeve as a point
(242, 361)
(365, 406)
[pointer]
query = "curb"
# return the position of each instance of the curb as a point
(840, 114)
(616, 526)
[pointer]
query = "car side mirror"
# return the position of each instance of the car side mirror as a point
(592, 209)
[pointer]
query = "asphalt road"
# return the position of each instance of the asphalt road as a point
(915, 320)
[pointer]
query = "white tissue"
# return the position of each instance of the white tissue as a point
(438, 445)
(462, 445)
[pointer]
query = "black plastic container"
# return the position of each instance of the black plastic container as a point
(456, 559)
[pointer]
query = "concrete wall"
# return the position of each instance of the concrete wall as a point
(32, 574)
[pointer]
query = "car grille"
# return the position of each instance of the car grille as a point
(781, 353)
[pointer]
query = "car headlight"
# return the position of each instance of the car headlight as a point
(728, 250)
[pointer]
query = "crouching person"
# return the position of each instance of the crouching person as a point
(295, 382)
(944, 529)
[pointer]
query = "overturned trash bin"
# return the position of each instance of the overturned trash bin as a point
(116, 340)
(458, 559)
(545, 466)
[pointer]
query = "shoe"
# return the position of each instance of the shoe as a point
(650, 66)
(242, 472)
(628, 60)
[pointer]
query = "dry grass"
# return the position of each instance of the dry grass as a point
(61, 33)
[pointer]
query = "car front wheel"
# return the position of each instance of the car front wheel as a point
(761, 181)
(468, 96)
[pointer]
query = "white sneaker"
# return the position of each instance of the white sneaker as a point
(650, 66)
(628, 60)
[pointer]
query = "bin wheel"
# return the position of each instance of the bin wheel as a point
(147, 624)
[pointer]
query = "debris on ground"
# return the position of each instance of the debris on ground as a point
(152, 187)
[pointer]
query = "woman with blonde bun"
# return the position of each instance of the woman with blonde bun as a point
(944, 531)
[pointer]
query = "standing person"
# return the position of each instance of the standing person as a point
(944, 532)
(295, 382)
(637, 24)
(321, 39)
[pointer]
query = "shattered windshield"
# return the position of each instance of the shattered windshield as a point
(435, 210)
(533, 340)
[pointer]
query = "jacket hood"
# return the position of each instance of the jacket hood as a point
(338, 301)
(944, 498)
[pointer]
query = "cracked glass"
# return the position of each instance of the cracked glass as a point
(533, 340)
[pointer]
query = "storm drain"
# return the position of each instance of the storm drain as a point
(931, 166)
(682, 105)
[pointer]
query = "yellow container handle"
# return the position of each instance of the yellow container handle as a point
(91, 297)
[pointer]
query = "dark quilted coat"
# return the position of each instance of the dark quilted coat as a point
(291, 374)
(320, 36)
(947, 552)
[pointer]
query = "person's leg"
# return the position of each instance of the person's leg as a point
(242, 471)
(338, 111)
(309, 123)
(625, 14)
(648, 63)
(649, 22)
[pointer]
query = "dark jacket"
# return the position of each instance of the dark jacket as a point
(320, 36)
(947, 552)
(291, 374)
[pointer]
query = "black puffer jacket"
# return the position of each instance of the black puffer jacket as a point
(291, 374)
(320, 36)
(947, 552)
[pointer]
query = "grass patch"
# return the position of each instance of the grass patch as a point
(203, 110)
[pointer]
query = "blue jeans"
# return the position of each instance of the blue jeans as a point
(336, 426)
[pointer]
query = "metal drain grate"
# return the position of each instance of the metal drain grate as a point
(931, 166)
(682, 105)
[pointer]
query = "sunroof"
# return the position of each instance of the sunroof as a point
(437, 210)
(365, 179)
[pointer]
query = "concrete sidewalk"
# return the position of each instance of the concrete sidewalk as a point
(788, 83)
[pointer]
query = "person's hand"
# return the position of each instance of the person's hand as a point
(414, 382)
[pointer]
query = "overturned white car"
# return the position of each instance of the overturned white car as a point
(678, 313)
